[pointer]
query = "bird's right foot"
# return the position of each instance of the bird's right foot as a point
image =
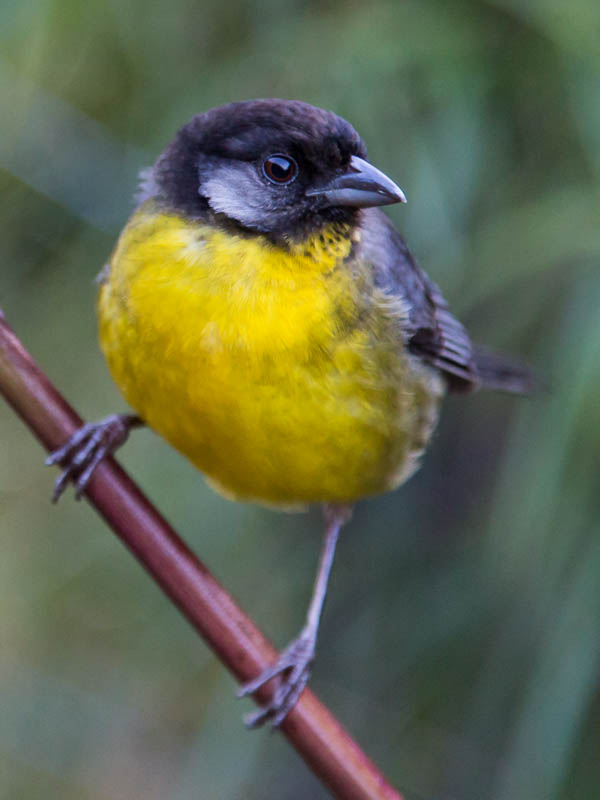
(88, 446)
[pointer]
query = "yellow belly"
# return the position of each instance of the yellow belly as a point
(279, 374)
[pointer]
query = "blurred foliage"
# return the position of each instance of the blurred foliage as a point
(461, 637)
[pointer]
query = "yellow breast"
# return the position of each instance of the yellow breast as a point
(280, 373)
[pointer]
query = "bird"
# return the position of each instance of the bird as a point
(263, 315)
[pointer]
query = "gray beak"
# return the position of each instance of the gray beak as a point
(361, 186)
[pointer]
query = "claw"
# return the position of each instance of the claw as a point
(60, 455)
(293, 665)
(88, 446)
(291, 699)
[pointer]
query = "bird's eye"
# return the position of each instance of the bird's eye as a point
(279, 168)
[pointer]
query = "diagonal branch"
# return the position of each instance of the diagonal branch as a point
(319, 738)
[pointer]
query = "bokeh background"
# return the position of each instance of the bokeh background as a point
(461, 639)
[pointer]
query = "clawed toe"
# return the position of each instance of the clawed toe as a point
(293, 669)
(88, 446)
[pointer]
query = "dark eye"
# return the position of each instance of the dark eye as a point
(279, 168)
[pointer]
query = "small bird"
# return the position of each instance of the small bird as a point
(261, 313)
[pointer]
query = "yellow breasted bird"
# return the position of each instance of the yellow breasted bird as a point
(263, 315)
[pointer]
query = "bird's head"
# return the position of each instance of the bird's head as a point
(280, 167)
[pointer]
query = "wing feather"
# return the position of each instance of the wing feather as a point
(432, 332)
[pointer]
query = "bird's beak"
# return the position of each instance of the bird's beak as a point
(361, 186)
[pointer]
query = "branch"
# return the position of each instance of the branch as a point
(315, 733)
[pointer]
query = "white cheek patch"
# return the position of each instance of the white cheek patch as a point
(147, 185)
(238, 193)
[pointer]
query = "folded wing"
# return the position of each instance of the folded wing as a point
(431, 331)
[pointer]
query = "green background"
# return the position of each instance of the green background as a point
(461, 639)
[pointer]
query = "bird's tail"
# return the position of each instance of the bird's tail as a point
(504, 373)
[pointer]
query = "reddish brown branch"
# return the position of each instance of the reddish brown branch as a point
(326, 747)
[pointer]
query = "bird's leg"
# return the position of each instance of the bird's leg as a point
(293, 665)
(87, 447)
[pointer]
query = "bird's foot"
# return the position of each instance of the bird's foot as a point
(88, 446)
(293, 667)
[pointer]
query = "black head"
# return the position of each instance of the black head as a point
(280, 167)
